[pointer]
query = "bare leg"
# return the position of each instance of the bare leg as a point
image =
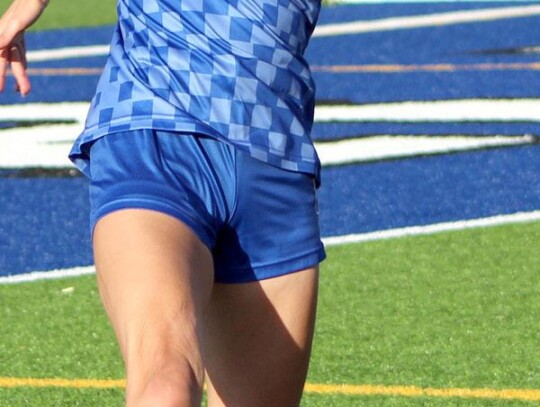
(155, 277)
(258, 341)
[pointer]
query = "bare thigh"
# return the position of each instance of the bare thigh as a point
(257, 340)
(155, 277)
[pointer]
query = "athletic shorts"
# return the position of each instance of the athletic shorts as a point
(259, 221)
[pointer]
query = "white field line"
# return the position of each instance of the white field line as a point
(388, 147)
(40, 146)
(43, 147)
(421, 1)
(48, 275)
(521, 217)
(67, 53)
(47, 145)
(25, 148)
(45, 111)
(463, 110)
(354, 27)
(428, 20)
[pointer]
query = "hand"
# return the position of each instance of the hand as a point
(20, 15)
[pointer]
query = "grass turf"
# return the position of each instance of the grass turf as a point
(456, 309)
(70, 13)
(449, 310)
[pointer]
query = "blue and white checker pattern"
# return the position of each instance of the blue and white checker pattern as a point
(231, 69)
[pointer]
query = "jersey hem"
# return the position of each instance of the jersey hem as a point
(79, 156)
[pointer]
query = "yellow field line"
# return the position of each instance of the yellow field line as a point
(414, 391)
(344, 389)
(62, 383)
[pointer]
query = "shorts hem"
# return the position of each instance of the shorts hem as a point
(278, 269)
(153, 205)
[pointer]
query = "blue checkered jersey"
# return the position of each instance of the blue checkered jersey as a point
(230, 69)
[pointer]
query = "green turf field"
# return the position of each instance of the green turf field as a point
(451, 310)
(447, 311)
(70, 13)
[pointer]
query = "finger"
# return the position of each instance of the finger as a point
(3, 68)
(18, 68)
(20, 45)
(7, 36)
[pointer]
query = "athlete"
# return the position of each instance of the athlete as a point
(202, 187)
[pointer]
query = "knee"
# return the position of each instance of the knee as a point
(176, 385)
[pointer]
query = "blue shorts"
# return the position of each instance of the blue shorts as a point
(259, 221)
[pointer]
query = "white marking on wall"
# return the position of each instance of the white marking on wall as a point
(428, 20)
